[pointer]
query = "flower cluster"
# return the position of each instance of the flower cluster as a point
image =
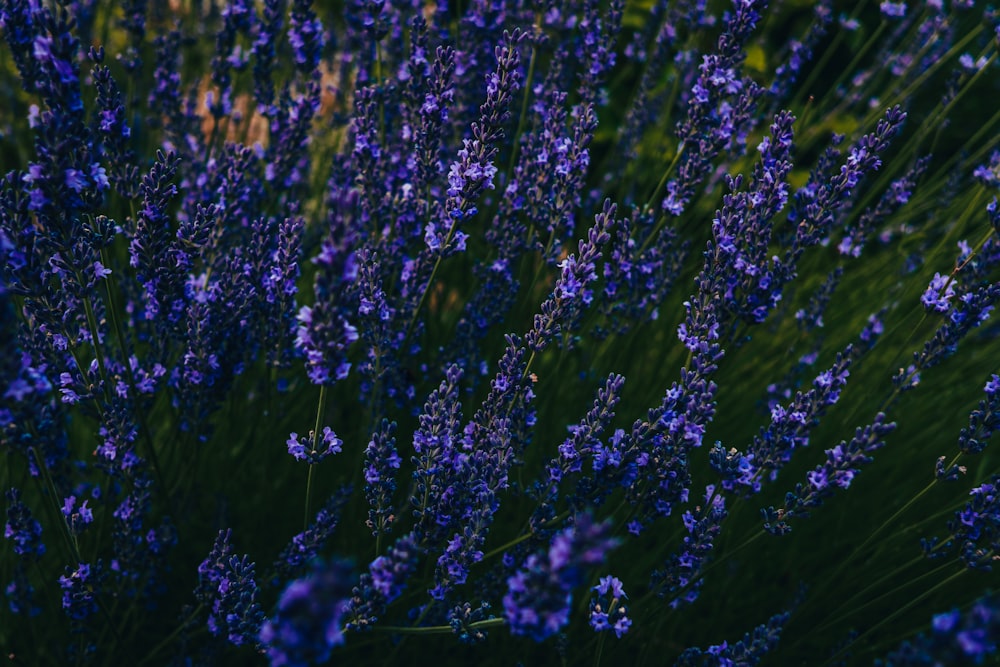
(361, 286)
(956, 637)
(607, 608)
(540, 592)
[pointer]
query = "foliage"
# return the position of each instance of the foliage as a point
(499, 332)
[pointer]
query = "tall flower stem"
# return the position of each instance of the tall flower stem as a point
(861, 594)
(823, 60)
(439, 629)
(130, 375)
(901, 610)
(173, 635)
(320, 411)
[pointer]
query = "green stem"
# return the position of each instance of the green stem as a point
(663, 179)
(855, 609)
(423, 295)
(54, 496)
(169, 638)
(905, 608)
(851, 68)
(438, 629)
(523, 538)
(381, 102)
(823, 60)
(130, 376)
(320, 410)
(522, 118)
(888, 522)
(96, 341)
(600, 645)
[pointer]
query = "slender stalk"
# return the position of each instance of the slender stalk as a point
(438, 629)
(901, 610)
(130, 376)
(823, 60)
(96, 341)
(523, 538)
(320, 410)
(855, 609)
(600, 645)
(173, 635)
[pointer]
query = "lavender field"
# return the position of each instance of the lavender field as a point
(591, 332)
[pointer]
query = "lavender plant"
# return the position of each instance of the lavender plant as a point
(519, 333)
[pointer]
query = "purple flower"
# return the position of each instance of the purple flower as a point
(938, 294)
(76, 517)
(719, 109)
(955, 637)
(571, 294)
(983, 422)
(540, 593)
(310, 618)
(324, 332)
(304, 547)
(78, 586)
(381, 462)
(747, 651)
(972, 309)
(390, 572)
(100, 271)
(975, 529)
(791, 424)
(313, 450)
(21, 528)
(306, 36)
(893, 10)
(607, 611)
(680, 580)
(385, 580)
(227, 586)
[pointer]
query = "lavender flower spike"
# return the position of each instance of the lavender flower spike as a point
(540, 593)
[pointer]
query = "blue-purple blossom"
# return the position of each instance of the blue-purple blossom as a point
(386, 579)
(680, 580)
(719, 109)
(842, 463)
(893, 10)
(974, 438)
(435, 162)
(312, 450)
(324, 331)
(78, 586)
(895, 197)
(975, 529)
(227, 586)
(463, 618)
(955, 637)
(938, 294)
(747, 651)
(309, 620)
(77, 517)
(305, 35)
(789, 430)
(21, 528)
(607, 608)
(474, 170)
(572, 292)
(972, 310)
(381, 462)
(389, 572)
(539, 594)
(306, 546)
